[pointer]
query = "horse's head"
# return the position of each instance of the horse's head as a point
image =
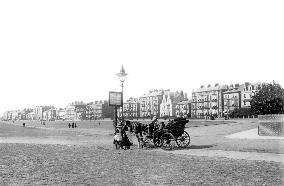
(129, 125)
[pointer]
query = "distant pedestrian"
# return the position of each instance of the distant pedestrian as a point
(73, 125)
(69, 125)
(24, 124)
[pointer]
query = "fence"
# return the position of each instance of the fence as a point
(271, 125)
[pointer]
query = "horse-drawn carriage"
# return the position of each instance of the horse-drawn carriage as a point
(165, 135)
(160, 134)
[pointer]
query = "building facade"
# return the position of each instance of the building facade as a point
(232, 100)
(219, 101)
(90, 111)
(183, 109)
(50, 115)
(98, 110)
(30, 116)
(208, 101)
(169, 103)
(60, 114)
(7, 116)
(39, 111)
(150, 103)
(131, 109)
(248, 90)
(70, 113)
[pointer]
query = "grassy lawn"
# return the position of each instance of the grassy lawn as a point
(204, 134)
(90, 158)
(26, 164)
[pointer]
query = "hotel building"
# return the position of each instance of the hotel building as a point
(219, 100)
(150, 103)
(131, 109)
(183, 109)
(208, 101)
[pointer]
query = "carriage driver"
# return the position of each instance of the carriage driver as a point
(153, 125)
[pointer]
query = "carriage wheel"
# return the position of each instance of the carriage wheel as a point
(147, 140)
(157, 140)
(183, 140)
(168, 141)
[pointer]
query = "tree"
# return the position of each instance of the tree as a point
(269, 100)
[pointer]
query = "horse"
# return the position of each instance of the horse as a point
(140, 129)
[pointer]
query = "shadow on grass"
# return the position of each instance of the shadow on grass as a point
(151, 147)
(191, 147)
(198, 147)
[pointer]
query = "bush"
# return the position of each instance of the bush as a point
(241, 112)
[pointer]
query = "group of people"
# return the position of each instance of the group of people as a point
(122, 137)
(73, 125)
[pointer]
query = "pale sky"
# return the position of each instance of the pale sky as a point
(56, 52)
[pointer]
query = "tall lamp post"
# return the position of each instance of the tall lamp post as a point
(122, 76)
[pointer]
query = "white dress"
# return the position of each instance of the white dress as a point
(117, 137)
(128, 134)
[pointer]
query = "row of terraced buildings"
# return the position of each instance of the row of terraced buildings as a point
(216, 101)
(220, 100)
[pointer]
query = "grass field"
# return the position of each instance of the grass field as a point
(54, 154)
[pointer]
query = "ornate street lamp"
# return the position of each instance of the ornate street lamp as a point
(122, 76)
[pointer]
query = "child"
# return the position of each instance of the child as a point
(117, 139)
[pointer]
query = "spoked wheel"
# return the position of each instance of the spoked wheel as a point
(168, 141)
(183, 140)
(157, 140)
(146, 140)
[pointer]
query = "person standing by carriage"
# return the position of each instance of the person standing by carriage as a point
(126, 135)
(117, 139)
